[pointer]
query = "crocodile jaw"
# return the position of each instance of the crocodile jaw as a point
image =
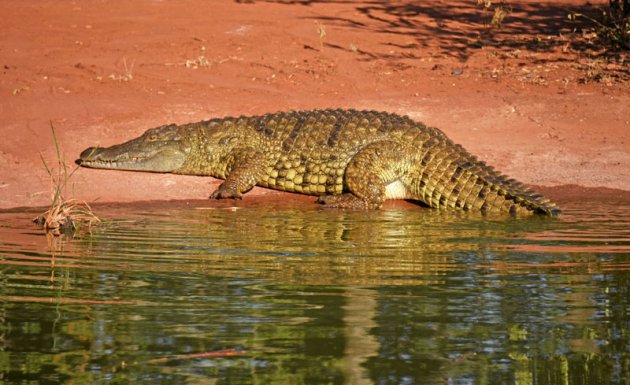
(166, 158)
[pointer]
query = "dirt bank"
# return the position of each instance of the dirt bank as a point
(531, 98)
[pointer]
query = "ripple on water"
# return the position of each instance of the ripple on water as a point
(303, 294)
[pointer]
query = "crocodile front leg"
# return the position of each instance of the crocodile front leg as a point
(368, 174)
(245, 170)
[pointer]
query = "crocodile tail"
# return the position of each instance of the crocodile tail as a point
(454, 178)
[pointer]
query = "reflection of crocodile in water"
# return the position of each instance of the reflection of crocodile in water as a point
(351, 159)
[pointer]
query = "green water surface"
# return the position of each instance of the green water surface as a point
(294, 294)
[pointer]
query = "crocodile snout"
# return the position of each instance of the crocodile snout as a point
(86, 155)
(88, 152)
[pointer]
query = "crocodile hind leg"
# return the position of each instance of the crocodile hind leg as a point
(367, 175)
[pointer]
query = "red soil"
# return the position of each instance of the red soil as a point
(533, 99)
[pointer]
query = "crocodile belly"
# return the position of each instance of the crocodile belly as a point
(396, 190)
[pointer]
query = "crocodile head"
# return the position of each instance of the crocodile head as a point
(160, 149)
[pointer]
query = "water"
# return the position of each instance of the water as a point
(289, 293)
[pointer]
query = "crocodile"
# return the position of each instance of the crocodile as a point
(349, 158)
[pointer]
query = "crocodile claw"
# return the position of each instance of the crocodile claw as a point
(225, 195)
(221, 193)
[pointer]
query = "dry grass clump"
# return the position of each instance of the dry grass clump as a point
(499, 13)
(125, 77)
(65, 216)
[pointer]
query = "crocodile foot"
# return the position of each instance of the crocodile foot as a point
(225, 193)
